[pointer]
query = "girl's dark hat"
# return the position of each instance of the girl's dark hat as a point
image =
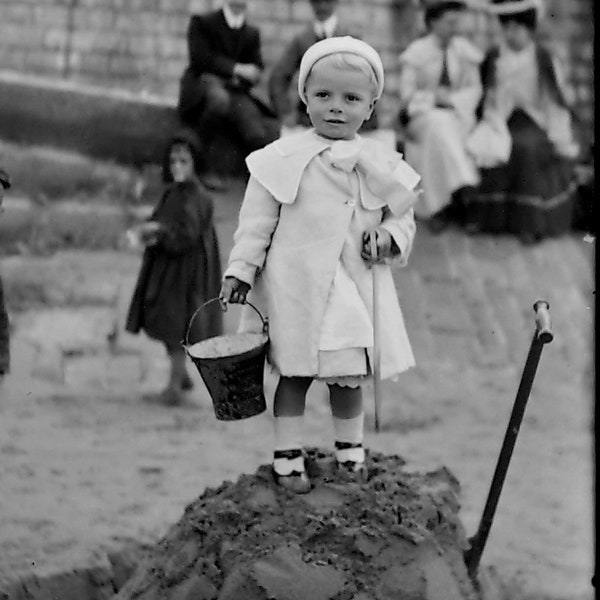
(4, 179)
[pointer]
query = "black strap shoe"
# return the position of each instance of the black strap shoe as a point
(296, 482)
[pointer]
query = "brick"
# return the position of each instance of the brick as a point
(197, 6)
(175, 26)
(46, 62)
(47, 15)
(14, 59)
(17, 13)
(93, 64)
(142, 46)
(172, 68)
(55, 39)
(93, 20)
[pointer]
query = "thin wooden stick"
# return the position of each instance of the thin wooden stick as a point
(376, 348)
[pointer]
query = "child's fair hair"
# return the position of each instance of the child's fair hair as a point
(347, 61)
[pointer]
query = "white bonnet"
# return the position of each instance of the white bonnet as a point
(334, 45)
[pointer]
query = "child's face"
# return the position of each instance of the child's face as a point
(323, 9)
(338, 101)
(182, 163)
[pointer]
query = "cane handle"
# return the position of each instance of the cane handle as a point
(543, 322)
(373, 240)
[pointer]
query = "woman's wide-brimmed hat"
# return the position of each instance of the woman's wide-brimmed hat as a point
(513, 7)
(335, 45)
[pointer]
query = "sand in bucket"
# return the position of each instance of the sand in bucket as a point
(232, 368)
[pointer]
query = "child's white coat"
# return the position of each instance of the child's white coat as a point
(290, 238)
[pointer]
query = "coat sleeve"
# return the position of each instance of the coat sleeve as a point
(258, 219)
(402, 229)
(281, 77)
(203, 58)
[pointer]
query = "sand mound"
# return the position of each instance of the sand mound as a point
(396, 536)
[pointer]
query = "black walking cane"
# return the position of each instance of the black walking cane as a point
(542, 335)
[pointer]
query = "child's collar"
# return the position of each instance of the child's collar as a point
(298, 143)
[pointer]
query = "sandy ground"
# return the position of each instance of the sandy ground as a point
(87, 463)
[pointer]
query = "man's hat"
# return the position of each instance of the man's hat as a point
(4, 179)
(443, 4)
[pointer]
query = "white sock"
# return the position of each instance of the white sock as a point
(288, 436)
(351, 432)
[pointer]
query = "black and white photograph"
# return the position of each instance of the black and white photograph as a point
(297, 300)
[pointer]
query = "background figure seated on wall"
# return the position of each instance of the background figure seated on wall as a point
(291, 111)
(440, 88)
(217, 89)
(533, 193)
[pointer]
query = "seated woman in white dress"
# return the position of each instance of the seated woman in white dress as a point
(532, 195)
(440, 88)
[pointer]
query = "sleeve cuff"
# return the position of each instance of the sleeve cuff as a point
(401, 243)
(241, 270)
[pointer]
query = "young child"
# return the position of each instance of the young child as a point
(181, 267)
(302, 245)
(4, 332)
(327, 22)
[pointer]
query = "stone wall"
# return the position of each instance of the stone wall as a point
(139, 45)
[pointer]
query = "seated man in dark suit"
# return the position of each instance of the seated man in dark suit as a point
(326, 24)
(225, 62)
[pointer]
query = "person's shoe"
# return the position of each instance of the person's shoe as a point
(296, 481)
(357, 468)
(214, 182)
(186, 383)
(171, 396)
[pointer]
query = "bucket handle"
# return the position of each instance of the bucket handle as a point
(265, 322)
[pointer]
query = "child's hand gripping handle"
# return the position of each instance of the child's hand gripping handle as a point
(543, 322)
(233, 290)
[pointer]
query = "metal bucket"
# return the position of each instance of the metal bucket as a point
(232, 368)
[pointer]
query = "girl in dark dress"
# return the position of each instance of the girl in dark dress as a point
(181, 267)
(532, 195)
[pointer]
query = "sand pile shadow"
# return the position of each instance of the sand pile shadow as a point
(397, 535)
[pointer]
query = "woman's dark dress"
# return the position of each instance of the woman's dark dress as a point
(181, 272)
(534, 193)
